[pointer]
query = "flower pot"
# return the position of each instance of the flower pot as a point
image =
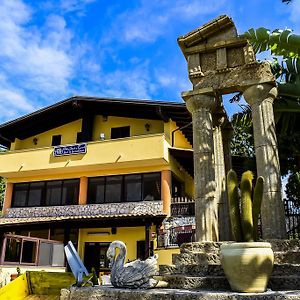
(247, 266)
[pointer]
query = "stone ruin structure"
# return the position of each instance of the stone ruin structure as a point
(221, 62)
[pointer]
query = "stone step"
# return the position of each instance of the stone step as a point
(284, 283)
(215, 283)
(197, 282)
(207, 247)
(217, 270)
(288, 257)
(286, 270)
(195, 258)
(285, 245)
(192, 270)
(108, 293)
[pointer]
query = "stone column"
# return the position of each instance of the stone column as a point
(261, 97)
(227, 134)
(8, 197)
(221, 196)
(166, 182)
(83, 187)
(206, 210)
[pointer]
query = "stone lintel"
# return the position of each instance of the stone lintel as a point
(230, 43)
(234, 79)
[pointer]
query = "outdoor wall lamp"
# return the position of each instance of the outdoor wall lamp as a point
(35, 140)
(147, 126)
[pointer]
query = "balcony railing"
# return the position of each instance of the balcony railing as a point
(182, 206)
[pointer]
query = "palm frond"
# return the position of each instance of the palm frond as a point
(280, 42)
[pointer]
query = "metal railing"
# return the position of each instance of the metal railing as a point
(174, 237)
(182, 206)
(292, 219)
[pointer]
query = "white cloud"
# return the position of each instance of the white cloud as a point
(12, 100)
(75, 5)
(32, 59)
(294, 7)
(152, 18)
(133, 83)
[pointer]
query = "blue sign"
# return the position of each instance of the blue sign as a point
(69, 149)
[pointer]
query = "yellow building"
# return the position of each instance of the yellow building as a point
(92, 170)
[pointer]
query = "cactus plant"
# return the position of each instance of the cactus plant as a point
(244, 212)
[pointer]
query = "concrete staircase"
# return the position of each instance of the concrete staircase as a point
(198, 267)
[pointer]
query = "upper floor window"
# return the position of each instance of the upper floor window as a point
(124, 188)
(56, 140)
(120, 132)
(46, 193)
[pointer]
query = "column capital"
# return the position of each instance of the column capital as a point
(197, 101)
(255, 94)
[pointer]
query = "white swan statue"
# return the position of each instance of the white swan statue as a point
(135, 274)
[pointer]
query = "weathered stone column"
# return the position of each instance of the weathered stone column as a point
(206, 210)
(220, 174)
(261, 97)
(227, 134)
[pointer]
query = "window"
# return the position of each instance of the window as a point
(120, 132)
(133, 187)
(56, 140)
(46, 193)
(20, 194)
(113, 189)
(97, 189)
(151, 186)
(124, 188)
(32, 251)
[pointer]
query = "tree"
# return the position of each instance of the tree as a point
(285, 45)
(2, 191)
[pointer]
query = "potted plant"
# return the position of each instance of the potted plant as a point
(247, 263)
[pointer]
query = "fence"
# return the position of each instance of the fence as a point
(292, 219)
(182, 206)
(174, 237)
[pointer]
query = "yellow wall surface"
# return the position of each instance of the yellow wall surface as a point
(179, 140)
(137, 126)
(165, 255)
(139, 151)
(183, 176)
(128, 235)
(16, 290)
(68, 134)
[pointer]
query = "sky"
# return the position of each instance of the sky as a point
(52, 50)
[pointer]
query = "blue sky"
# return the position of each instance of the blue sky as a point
(51, 50)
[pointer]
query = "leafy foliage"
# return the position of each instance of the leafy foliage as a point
(2, 191)
(242, 143)
(279, 42)
(293, 188)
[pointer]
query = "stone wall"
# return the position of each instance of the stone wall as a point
(129, 208)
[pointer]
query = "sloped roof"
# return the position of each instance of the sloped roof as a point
(76, 107)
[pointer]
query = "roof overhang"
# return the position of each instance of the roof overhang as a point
(77, 107)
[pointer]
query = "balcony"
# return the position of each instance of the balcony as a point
(139, 151)
(182, 207)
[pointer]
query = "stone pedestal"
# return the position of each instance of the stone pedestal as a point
(261, 97)
(206, 210)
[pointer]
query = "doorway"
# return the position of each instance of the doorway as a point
(95, 257)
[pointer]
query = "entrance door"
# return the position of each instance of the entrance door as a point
(95, 256)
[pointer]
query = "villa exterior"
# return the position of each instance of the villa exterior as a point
(92, 170)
